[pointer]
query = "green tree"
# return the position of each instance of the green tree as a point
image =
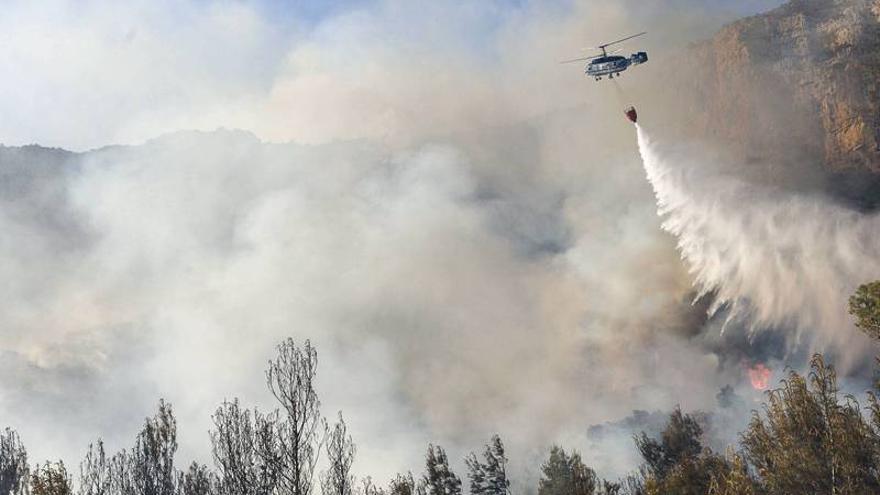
(151, 461)
(677, 462)
(810, 441)
(736, 479)
(680, 441)
(439, 478)
(13, 464)
(564, 474)
(402, 484)
(610, 488)
(864, 305)
(370, 488)
(197, 480)
(489, 476)
(631, 484)
(338, 480)
(146, 469)
(94, 471)
(51, 479)
(692, 475)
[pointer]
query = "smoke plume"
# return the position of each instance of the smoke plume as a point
(769, 259)
(459, 224)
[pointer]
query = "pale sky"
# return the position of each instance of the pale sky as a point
(82, 75)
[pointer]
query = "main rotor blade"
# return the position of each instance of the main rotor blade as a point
(576, 60)
(592, 57)
(624, 39)
(588, 57)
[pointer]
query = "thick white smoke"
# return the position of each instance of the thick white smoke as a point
(771, 258)
(482, 258)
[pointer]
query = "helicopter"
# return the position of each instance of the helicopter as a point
(609, 64)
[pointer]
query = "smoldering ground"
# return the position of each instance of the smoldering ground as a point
(467, 237)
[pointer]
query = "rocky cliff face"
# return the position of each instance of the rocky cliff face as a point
(799, 83)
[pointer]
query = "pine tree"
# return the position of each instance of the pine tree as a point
(864, 305)
(152, 459)
(566, 475)
(13, 464)
(610, 488)
(476, 475)
(735, 480)
(402, 485)
(677, 462)
(51, 479)
(809, 441)
(370, 488)
(489, 477)
(679, 441)
(94, 471)
(439, 478)
(197, 480)
(241, 442)
(300, 430)
(338, 480)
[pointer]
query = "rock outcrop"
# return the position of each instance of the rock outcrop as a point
(798, 83)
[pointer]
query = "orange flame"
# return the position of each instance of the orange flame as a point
(759, 375)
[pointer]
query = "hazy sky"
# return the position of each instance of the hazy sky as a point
(461, 224)
(87, 74)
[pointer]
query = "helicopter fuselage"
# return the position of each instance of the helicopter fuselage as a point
(612, 64)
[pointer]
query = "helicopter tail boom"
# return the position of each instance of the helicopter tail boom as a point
(638, 58)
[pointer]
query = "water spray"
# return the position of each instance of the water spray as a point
(769, 258)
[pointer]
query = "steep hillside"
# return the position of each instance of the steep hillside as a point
(799, 80)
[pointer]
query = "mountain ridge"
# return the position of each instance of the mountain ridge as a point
(801, 81)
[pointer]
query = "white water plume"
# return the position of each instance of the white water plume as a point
(773, 259)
